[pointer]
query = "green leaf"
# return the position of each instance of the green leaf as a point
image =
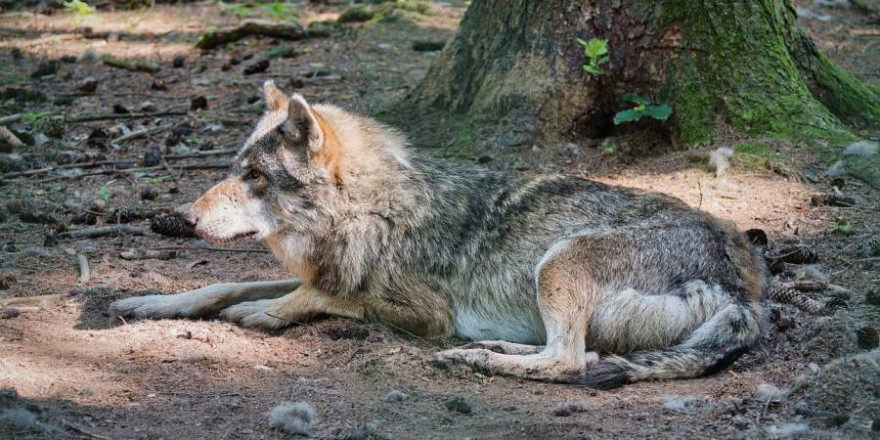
(592, 69)
(603, 59)
(635, 98)
(596, 47)
(658, 112)
(844, 227)
(33, 117)
(104, 193)
(581, 41)
(630, 115)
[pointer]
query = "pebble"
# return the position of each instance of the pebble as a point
(198, 103)
(88, 85)
(458, 404)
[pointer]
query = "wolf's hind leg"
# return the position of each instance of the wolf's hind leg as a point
(204, 302)
(567, 297)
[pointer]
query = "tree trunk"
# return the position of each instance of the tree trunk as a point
(514, 74)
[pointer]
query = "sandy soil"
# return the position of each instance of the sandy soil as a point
(83, 374)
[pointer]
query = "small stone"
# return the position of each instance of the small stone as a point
(873, 297)
(740, 422)
(148, 193)
(9, 313)
(119, 109)
(861, 148)
(458, 404)
(258, 67)
(867, 338)
(158, 84)
(768, 393)
(148, 107)
(198, 103)
(88, 85)
(178, 61)
(297, 83)
(294, 418)
(152, 157)
(6, 282)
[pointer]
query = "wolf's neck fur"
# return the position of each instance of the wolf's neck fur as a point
(389, 201)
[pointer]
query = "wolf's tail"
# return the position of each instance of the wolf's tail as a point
(713, 346)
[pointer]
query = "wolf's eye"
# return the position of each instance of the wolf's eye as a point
(252, 174)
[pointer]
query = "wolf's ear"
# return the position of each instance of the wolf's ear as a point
(276, 100)
(323, 148)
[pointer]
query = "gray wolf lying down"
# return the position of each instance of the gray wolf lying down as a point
(557, 278)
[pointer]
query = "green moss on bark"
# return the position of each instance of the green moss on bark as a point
(734, 63)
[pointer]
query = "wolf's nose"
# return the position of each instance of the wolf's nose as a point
(188, 214)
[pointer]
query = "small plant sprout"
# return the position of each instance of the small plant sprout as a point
(596, 51)
(78, 7)
(34, 116)
(644, 107)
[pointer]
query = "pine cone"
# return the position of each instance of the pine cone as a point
(171, 225)
(777, 257)
(123, 215)
(785, 293)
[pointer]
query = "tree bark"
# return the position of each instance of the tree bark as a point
(514, 74)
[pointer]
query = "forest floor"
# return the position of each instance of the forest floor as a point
(69, 370)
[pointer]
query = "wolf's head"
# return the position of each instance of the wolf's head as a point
(288, 166)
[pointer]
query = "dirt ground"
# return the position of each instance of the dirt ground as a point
(81, 374)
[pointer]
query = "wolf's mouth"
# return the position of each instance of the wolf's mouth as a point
(230, 239)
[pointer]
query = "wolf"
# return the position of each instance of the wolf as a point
(555, 278)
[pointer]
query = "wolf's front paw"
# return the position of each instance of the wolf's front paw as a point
(255, 314)
(504, 347)
(477, 358)
(151, 307)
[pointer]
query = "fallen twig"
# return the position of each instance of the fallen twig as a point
(145, 132)
(287, 31)
(83, 431)
(101, 231)
(6, 120)
(148, 254)
(214, 249)
(84, 273)
(109, 116)
(135, 65)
